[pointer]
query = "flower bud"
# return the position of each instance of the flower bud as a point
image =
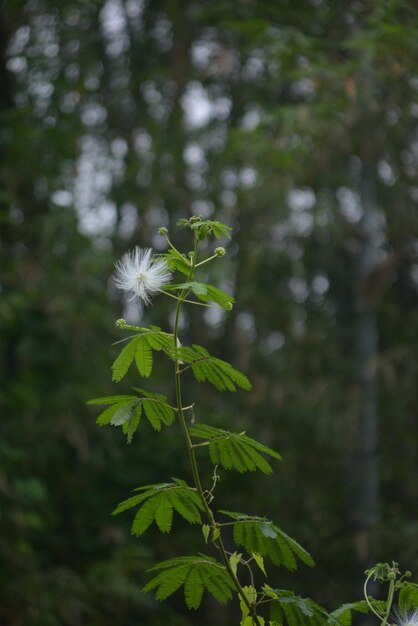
(163, 231)
(220, 251)
(228, 306)
(120, 323)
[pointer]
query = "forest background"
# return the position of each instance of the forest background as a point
(295, 122)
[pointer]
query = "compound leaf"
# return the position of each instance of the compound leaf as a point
(408, 597)
(234, 450)
(344, 614)
(196, 573)
(143, 356)
(260, 535)
(157, 502)
(288, 609)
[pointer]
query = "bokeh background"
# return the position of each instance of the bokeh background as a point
(295, 122)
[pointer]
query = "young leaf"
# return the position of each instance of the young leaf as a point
(408, 597)
(196, 573)
(234, 559)
(177, 261)
(206, 532)
(260, 562)
(234, 450)
(260, 535)
(206, 293)
(202, 227)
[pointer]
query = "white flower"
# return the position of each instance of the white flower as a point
(142, 273)
(410, 619)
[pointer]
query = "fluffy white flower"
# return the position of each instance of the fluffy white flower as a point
(410, 619)
(142, 273)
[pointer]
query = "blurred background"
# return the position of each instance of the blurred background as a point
(295, 122)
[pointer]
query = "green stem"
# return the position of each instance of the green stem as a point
(390, 600)
(167, 293)
(367, 598)
(190, 448)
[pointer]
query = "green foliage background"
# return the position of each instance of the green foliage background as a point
(286, 120)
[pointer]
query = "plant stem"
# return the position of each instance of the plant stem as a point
(390, 600)
(190, 448)
(367, 598)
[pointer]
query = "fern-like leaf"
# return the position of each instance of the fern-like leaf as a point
(143, 356)
(157, 502)
(206, 293)
(408, 597)
(126, 411)
(196, 573)
(156, 409)
(139, 349)
(122, 363)
(206, 227)
(111, 399)
(343, 616)
(177, 261)
(206, 367)
(288, 609)
(235, 450)
(159, 340)
(258, 534)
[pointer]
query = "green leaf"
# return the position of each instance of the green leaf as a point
(206, 532)
(177, 261)
(251, 594)
(125, 412)
(140, 349)
(234, 450)
(260, 562)
(196, 573)
(206, 367)
(343, 615)
(408, 597)
(157, 502)
(121, 364)
(202, 227)
(111, 399)
(219, 229)
(156, 409)
(143, 356)
(193, 588)
(132, 424)
(164, 513)
(159, 340)
(206, 293)
(260, 535)
(287, 609)
(234, 559)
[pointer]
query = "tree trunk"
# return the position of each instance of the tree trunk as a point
(363, 463)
